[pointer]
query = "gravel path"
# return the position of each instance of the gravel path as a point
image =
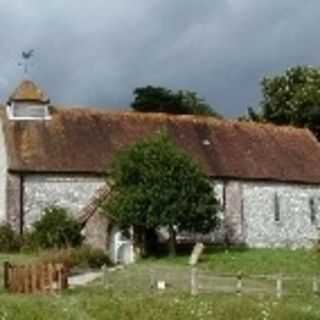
(84, 279)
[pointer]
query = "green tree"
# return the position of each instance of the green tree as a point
(154, 184)
(158, 99)
(292, 98)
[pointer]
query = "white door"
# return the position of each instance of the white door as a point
(121, 246)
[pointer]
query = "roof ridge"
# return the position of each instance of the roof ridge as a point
(182, 117)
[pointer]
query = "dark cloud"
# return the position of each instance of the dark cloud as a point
(96, 52)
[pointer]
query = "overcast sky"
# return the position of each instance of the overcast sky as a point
(96, 52)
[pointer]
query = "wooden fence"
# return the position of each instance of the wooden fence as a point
(40, 278)
(197, 281)
(277, 284)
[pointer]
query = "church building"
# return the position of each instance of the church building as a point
(266, 177)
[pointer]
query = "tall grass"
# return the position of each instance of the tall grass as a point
(94, 303)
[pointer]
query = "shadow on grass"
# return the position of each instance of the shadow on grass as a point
(184, 250)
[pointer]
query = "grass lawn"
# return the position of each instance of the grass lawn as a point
(253, 261)
(101, 304)
(97, 302)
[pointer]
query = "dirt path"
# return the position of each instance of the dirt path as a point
(84, 279)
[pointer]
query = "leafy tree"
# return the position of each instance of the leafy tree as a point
(154, 184)
(158, 99)
(292, 98)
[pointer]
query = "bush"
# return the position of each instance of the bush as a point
(97, 258)
(83, 257)
(10, 241)
(28, 243)
(56, 229)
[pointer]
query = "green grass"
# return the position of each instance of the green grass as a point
(95, 303)
(18, 258)
(128, 297)
(253, 261)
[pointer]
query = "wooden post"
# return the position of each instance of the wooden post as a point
(194, 285)
(26, 280)
(104, 276)
(239, 284)
(315, 285)
(279, 286)
(20, 278)
(6, 267)
(59, 270)
(33, 276)
(50, 278)
(65, 272)
(13, 284)
(152, 279)
(42, 275)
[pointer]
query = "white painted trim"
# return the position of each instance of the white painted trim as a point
(11, 115)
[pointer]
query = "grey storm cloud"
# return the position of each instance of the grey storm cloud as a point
(96, 52)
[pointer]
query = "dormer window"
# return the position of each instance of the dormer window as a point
(28, 102)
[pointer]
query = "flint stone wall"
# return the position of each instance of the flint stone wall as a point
(248, 218)
(249, 214)
(72, 192)
(295, 228)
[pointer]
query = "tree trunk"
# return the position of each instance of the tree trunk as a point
(139, 241)
(172, 241)
(151, 240)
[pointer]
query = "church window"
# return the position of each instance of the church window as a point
(276, 208)
(313, 210)
(224, 196)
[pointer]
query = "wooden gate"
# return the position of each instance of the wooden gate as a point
(40, 278)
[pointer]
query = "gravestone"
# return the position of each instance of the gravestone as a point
(196, 253)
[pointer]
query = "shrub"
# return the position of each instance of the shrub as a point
(83, 257)
(28, 243)
(97, 258)
(56, 229)
(10, 241)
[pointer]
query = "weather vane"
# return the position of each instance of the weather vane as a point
(26, 56)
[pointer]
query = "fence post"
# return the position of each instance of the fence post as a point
(193, 282)
(315, 285)
(20, 278)
(50, 276)
(33, 278)
(152, 279)
(26, 280)
(279, 286)
(6, 266)
(104, 276)
(42, 275)
(239, 284)
(14, 281)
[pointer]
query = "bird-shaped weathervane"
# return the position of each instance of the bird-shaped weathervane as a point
(26, 56)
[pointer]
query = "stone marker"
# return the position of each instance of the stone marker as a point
(196, 253)
(161, 285)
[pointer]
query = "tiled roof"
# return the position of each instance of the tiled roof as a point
(85, 141)
(28, 91)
